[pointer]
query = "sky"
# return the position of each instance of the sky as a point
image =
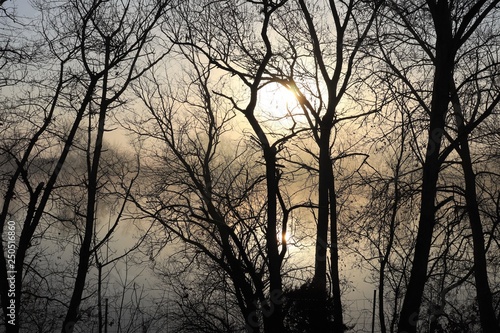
(22, 8)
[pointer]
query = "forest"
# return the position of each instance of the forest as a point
(250, 166)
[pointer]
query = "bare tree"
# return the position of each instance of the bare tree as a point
(206, 196)
(120, 36)
(267, 62)
(321, 84)
(443, 49)
(90, 55)
(224, 34)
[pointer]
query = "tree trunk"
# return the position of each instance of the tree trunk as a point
(415, 289)
(443, 62)
(275, 313)
(487, 313)
(338, 320)
(72, 315)
(320, 320)
(390, 242)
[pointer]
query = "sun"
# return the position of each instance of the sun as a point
(288, 237)
(277, 101)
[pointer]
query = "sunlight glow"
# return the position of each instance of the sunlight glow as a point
(277, 101)
(288, 237)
